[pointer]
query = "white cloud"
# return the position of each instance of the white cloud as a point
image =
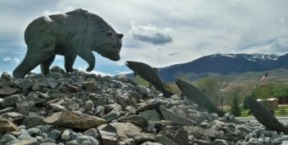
(150, 34)
(12, 60)
(197, 28)
(94, 72)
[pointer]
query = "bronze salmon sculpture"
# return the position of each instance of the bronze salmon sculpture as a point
(265, 116)
(149, 74)
(195, 95)
(75, 33)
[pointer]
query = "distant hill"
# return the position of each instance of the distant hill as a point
(225, 64)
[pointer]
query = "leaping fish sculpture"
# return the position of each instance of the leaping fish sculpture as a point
(265, 117)
(195, 95)
(149, 74)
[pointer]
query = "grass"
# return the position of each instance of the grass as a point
(282, 111)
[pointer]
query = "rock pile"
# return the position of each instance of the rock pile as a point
(87, 109)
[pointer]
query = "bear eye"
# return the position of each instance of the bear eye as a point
(109, 33)
(120, 35)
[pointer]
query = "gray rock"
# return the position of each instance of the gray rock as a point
(101, 102)
(48, 140)
(181, 137)
(165, 140)
(26, 142)
(52, 82)
(72, 142)
(89, 105)
(148, 106)
(7, 109)
(74, 135)
(114, 110)
(169, 115)
(57, 107)
(54, 134)
(134, 98)
(142, 137)
(143, 90)
(6, 91)
(70, 88)
(131, 110)
(135, 119)
(220, 142)
(109, 135)
(99, 110)
(123, 100)
(151, 143)
(34, 131)
(8, 137)
(267, 140)
(285, 137)
(13, 116)
(84, 140)
(276, 140)
(11, 100)
(113, 115)
(151, 115)
(211, 132)
(128, 141)
(202, 142)
(6, 76)
(56, 69)
(65, 135)
(90, 86)
(55, 75)
(93, 140)
(6, 126)
(37, 85)
(24, 135)
(36, 98)
(74, 120)
(24, 84)
(91, 132)
(32, 121)
(253, 140)
(71, 105)
(24, 107)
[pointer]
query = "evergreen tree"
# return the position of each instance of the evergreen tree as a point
(235, 109)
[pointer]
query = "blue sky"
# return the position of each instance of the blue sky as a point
(160, 33)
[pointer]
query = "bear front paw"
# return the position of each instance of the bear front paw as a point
(89, 69)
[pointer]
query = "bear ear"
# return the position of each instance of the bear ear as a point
(120, 35)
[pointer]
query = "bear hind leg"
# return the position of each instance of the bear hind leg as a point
(28, 64)
(69, 61)
(45, 65)
(33, 58)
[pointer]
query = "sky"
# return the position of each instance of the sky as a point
(159, 33)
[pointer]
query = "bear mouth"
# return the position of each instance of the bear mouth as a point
(111, 55)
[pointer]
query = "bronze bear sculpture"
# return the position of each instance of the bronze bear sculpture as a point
(74, 33)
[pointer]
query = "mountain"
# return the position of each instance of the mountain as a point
(225, 64)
